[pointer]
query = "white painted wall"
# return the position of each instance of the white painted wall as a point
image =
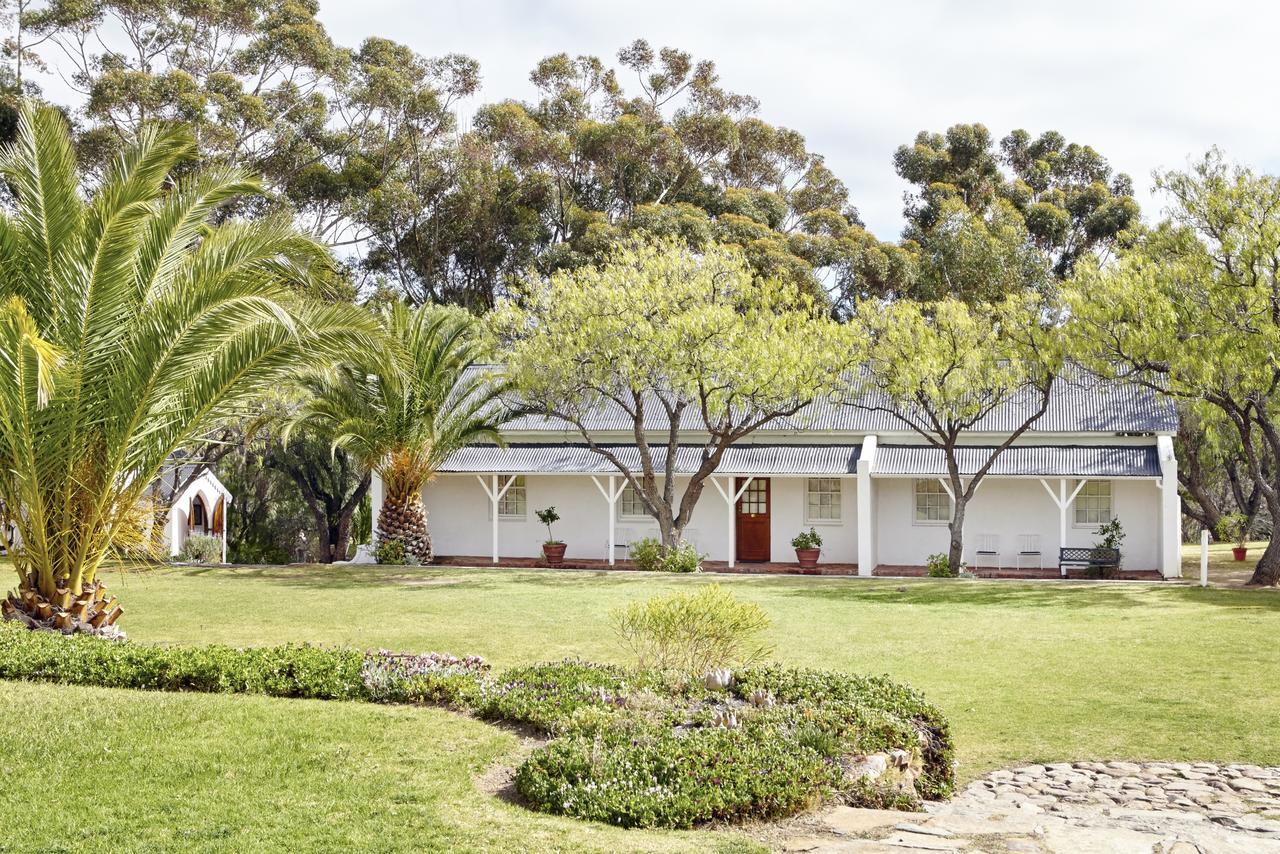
(458, 513)
(1008, 508)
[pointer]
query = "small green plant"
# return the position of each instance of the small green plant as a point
(939, 566)
(646, 554)
(682, 557)
(549, 517)
(201, 548)
(810, 539)
(650, 555)
(693, 631)
(1234, 527)
(1111, 535)
(393, 552)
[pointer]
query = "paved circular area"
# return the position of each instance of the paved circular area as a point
(1074, 808)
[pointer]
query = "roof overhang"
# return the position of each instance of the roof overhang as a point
(1077, 461)
(574, 458)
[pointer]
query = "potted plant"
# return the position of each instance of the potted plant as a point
(1234, 526)
(552, 549)
(808, 546)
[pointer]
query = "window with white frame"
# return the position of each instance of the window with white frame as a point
(823, 500)
(514, 503)
(630, 505)
(933, 503)
(1093, 504)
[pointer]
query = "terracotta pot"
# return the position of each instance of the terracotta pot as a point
(553, 553)
(808, 558)
(1239, 553)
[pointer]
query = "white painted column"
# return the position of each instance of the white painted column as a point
(226, 525)
(375, 504)
(1170, 510)
(867, 551)
(1063, 502)
(611, 496)
(495, 495)
(731, 499)
(174, 547)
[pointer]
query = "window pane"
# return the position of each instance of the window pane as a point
(823, 498)
(1093, 503)
(514, 501)
(630, 504)
(933, 504)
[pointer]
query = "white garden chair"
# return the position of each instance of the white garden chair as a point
(988, 550)
(1029, 550)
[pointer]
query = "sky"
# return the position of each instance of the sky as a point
(1148, 84)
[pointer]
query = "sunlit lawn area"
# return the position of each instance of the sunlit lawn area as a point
(1026, 671)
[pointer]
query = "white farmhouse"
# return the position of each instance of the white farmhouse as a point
(873, 489)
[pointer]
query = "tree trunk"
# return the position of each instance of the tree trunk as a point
(406, 521)
(1267, 571)
(955, 550)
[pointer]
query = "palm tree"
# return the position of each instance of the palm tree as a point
(403, 423)
(130, 324)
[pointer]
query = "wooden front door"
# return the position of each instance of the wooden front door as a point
(752, 522)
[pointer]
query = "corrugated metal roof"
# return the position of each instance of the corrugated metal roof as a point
(1083, 404)
(579, 458)
(1033, 460)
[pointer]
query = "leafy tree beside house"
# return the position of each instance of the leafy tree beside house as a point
(942, 369)
(403, 421)
(691, 348)
(131, 325)
(1193, 309)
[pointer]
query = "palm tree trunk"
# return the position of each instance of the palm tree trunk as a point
(404, 519)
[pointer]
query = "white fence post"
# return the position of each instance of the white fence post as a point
(1204, 557)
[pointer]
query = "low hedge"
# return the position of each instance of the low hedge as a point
(279, 671)
(628, 748)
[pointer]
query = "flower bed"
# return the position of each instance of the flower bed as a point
(632, 748)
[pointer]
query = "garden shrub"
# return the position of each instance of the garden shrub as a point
(431, 679)
(279, 671)
(805, 687)
(646, 554)
(650, 555)
(633, 748)
(201, 548)
(642, 775)
(393, 552)
(939, 566)
(682, 557)
(547, 696)
(693, 631)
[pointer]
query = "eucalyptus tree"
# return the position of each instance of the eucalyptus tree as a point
(403, 420)
(1065, 197)
(1193, 310)
(132, 324)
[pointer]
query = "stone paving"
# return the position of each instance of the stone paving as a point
(1072, 808)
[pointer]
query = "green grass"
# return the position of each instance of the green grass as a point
(1026, 671)
(98, 770)
(1224, 569)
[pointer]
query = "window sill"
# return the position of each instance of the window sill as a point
(828, 523)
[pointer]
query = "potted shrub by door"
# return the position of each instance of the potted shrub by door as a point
(1234, 526)
(552, 549)
(808, 546)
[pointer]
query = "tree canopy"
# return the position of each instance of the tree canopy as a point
(1061, 198)
(1194, 310)
(692, 347)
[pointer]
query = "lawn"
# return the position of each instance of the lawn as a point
(1026, 671)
